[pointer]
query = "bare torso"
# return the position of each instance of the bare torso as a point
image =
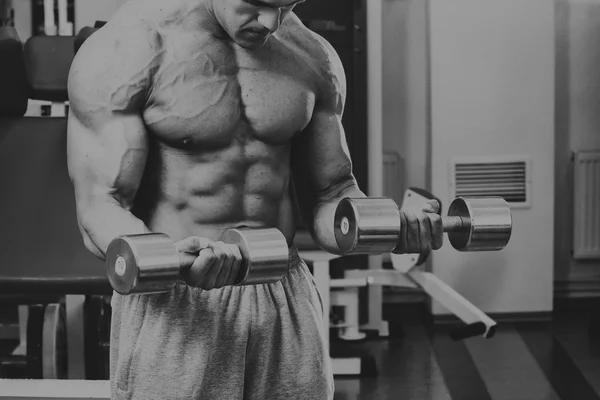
(220, 121)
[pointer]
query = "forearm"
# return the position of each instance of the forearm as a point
(324, 216)
(105, 219)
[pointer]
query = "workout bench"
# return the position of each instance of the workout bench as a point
(408, 272)
(43, 260)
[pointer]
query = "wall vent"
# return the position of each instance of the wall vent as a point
(586, 235)
(507, 177)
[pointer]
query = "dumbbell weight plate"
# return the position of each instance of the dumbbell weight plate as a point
(367, 225)
(490, 223)
(265, 254)
(148, 263)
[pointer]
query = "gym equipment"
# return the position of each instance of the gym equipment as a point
(13, 81)
(37, 198)
(48, 61)
(372, 225)
(54, 343)
(41, 262)
(97, 320)
(409, 271)
(45, 350)
(150, 263)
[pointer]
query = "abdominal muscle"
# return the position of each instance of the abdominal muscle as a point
(205, 194)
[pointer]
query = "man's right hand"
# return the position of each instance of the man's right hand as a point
(217, 263)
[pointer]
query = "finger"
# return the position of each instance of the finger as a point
(228, 264)
(423, 258)
(192, 244)
(197, 274)
(413, 234)
(212, 278)
(425, 238)
(403, 245)
(402, 235)
(224, 259)
(236, 265)
(431, 206)
(437, 231)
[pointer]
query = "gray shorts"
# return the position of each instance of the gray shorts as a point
(249, 342)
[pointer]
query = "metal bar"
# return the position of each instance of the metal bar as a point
(451, 299)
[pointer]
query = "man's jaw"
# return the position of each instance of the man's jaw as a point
(210, 21)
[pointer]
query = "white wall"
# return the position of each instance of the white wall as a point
(581, 25)
(577, 128)
(405, 88)
(22, 18)
(492, 93)
(87, 12)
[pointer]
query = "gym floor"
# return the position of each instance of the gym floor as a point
(558, 359)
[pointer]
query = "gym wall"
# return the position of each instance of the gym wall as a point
(492, 94)
(87, 12)
(576, 125)
(405, 88)
(577, 128)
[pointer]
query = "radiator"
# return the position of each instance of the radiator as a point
(586, 234)
(393, 177)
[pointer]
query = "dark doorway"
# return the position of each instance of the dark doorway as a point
(343, 24)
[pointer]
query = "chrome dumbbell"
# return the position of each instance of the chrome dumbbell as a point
(372, 225)
(150, 263)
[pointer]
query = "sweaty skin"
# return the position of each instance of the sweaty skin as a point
(176, 128)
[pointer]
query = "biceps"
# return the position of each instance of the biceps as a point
(109, 160)
(322, 155)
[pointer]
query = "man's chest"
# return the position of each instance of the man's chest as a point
(205, 92)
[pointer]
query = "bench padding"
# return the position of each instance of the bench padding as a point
(42, 248)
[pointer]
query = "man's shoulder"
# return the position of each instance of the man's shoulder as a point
(116, 63)
(310, 41)
(126, 42)
(324, 60)
(313, 45)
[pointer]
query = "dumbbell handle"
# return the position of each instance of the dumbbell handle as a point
(456, 224)
(186, 260)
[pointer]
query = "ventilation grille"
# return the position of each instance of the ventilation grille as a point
(586, 236)
(505, 178)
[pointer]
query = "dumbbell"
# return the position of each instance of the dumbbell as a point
(372, 225)
(150, 263)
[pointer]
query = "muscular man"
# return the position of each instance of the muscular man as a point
(190, 117)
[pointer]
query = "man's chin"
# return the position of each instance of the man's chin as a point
(251, 44)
